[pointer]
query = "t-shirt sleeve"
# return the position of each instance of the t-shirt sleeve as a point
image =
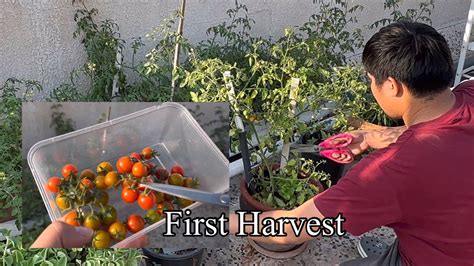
(367, 196)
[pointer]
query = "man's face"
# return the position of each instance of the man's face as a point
(388, 96)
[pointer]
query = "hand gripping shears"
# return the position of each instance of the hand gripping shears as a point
(335, 145)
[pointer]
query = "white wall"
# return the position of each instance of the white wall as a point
(36, 35)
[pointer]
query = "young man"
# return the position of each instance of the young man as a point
(420, 182)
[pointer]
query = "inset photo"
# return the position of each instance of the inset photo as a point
(121, 171)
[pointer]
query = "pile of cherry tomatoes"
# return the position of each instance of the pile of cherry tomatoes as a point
(85, 198)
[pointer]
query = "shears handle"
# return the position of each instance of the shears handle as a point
(337, 146)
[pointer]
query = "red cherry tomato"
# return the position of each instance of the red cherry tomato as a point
(86, 183)
(68, 170)
(135, 156)
(146, 201)
(177, 169)
(129, 195)
(135, 223)
(162, 174)
(124, 165)
(53, 184)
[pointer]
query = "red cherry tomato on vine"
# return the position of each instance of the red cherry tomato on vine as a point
(177, 169)
(146, 201)
(162, 174)
(53, 184)
(86, 183)
(68, 170)
(135, 156)
(135, 223)
(129, 195)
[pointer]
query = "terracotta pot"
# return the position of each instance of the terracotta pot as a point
(278, 251)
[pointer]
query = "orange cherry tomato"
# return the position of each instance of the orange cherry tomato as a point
(63, 202)
(53, 184)
(135, 223)
(71, 218)
(111, 179)
(92, 221)
(102, 239)
(99, 182)
(139, 170)
(190, 182)
(124, 165)
(147, 153)
(69, 170)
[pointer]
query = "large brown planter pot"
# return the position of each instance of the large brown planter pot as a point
(278, 251)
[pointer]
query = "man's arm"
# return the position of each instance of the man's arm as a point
(307, 210)
(376, 138)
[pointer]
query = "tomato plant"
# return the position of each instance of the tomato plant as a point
(135, 223)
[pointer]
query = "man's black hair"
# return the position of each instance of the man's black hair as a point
(412, 53)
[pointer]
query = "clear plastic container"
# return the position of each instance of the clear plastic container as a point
(168, 128)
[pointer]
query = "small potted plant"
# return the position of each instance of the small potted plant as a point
(186, 257)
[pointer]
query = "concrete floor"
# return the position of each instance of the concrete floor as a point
(327, 251)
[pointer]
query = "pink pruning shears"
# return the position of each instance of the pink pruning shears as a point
(328, 149)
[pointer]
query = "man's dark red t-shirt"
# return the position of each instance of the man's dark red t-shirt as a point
(422, 186)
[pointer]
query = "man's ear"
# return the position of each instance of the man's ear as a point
(394, 88)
